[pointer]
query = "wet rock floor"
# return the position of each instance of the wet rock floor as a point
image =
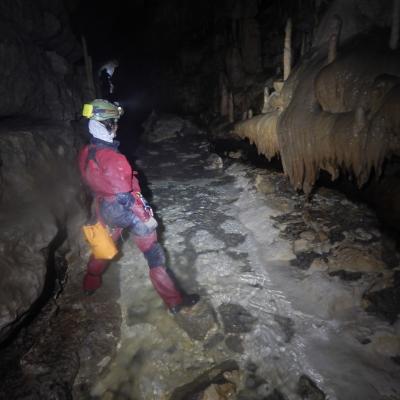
(284, 285)
(298, 297)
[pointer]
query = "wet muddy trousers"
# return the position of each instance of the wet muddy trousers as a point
(155, 257)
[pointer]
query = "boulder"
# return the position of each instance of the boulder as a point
(265, 184)
(386, 344)
(164, 127)
(223, 391)
(214, 161)
(302, 246)
(351, 258)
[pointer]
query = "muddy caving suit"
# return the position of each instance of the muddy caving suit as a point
(119, 204)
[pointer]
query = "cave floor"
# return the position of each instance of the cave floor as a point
(284, 282)
(281, 281)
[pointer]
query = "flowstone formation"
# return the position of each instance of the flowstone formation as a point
(338, 110)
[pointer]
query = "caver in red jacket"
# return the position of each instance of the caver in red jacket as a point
(105, 170)
(118, 203)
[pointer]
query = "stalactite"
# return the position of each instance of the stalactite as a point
(394, 35)
(266, 97)
(343, 136)
(334, 38)
(303, 44)
(224, 98)
(287, 50)
(360, 120)
(231, 114)
(89, 69)
(262, 131)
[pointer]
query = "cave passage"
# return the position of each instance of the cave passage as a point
(277, 280)
(265, 136)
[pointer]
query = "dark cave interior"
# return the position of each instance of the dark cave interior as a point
(266, 134)
(162, 46)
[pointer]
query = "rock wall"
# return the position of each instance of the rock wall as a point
(236, 42)
(217, 59)
(41, 203)
(37, 52)
(40, 210)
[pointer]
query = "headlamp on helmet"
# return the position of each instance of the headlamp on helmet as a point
(87, 110)
(102, 110)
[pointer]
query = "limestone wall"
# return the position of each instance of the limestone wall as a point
(37, 52)
(41, 203)
(40, 210)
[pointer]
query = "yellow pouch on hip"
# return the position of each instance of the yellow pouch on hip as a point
(100, 241)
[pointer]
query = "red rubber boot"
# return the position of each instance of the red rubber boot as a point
(92, 279)
(95, 268)
(165, 287)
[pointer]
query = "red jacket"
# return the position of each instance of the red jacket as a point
(106, 171)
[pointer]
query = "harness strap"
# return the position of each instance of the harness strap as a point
(91, 156)
(97, 200)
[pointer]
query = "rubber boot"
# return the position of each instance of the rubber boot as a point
(165, 287)
(91, 283)
(92, 279)
(188, 301)
(95, 268)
